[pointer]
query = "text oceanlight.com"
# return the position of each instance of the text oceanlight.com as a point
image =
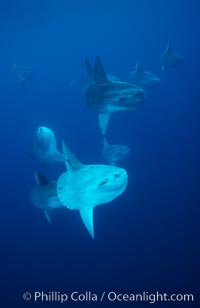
(111, 296)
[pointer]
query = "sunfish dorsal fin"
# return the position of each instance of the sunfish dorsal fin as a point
(139, 67)
(47, 214)
(103, 122)
(88, 68)
(87, 218)
(99, 73)
(40, 179)
(72, 163)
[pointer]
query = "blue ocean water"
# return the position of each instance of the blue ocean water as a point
(148, 238)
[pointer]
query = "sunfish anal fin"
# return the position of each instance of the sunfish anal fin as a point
(47, 214)
(99, 73)
(71, 162)
(87, 218)
(103, 122)
(40, 179)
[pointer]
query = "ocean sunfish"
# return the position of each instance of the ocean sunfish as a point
(115, 152)
(44, 195)
(108, 97)
(45, 147)
(143, 79)
(170, 58)
(23, 74)
(84, 187)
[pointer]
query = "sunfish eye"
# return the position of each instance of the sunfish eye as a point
(116, 175)
(103, 182)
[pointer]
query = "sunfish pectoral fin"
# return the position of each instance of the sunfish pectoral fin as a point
(47, 214)
(87, 218)
(103, 122)
(99, 73)
(71, 162)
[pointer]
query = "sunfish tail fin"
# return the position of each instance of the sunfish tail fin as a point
(87, 218)
(71, 162)
(99, 73)
(103, 122)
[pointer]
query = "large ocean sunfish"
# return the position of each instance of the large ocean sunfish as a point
(84, 187)
(108, 97)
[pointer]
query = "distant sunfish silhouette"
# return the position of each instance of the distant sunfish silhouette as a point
(83, 187)
(44, 195)
(170, 58)
(45, 148)
(115, 152)
(144, 79)
(108, 97)
(23, 74)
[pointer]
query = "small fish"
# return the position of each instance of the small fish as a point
(84, 187)
(45, 147)
(115, 152)
(170, 58)
(44, 195)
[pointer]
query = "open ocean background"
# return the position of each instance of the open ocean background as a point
(148, 238)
